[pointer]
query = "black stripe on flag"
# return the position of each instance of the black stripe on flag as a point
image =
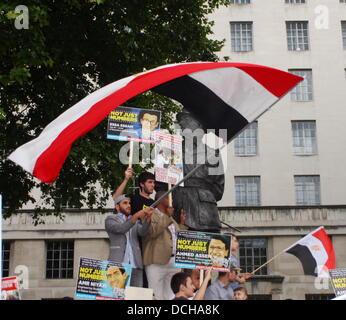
(207, 107)
(306, 258)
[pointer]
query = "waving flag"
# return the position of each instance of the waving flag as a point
(221, 95)
(316, 253)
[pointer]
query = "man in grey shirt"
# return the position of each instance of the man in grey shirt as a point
(221, 288)
(124, 231)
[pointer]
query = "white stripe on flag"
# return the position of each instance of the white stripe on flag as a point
(318, 252)
(237, 89)
(27, 154)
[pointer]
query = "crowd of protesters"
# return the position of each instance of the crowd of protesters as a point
(145, 238)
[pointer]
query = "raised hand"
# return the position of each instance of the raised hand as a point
(128, 173)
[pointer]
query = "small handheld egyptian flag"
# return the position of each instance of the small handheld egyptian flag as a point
(316, 253)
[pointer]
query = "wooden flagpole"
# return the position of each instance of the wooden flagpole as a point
(131, 154)
(201, 277)
(253, 272)
(170, 200)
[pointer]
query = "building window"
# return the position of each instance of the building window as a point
(343, 28)
(307, 190)
(294, 1)
(304, 137)
(297, 35)
(247, 191)
(252, 254)
(6, 248)
(60, 259)
(323, 296)
(241, 36)
(303, 91)
(246, 142)
(240, 1)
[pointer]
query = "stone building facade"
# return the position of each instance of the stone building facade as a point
(82, 234)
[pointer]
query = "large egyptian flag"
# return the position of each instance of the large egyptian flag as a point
(220, 95)
(316, 253)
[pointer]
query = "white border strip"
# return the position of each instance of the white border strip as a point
(27, 154)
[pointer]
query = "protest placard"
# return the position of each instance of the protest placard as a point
(168, 158)
(133, 124)
(136, 293)
(202, 250)
(102, 279)
(338, 280)
(10, 288)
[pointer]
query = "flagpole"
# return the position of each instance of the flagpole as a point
(131, 154)
(170, 200)
(263, 265)
(201, 277)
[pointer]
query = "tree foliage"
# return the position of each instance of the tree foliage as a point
(71, 48)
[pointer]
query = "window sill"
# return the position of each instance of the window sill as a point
(267, 278)
(245, 155)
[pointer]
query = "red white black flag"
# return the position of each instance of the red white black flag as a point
(220, 95)
(316, 253)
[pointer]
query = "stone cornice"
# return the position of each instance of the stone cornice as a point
(252, 221)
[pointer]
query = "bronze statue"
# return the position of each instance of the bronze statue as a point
(200, 193)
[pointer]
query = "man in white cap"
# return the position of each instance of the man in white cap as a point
(124, 231)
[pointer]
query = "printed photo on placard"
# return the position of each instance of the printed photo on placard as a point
(338, 279)
(102, 279)
(134, 124)
(203, 250)
(10, 288)
(168, 158)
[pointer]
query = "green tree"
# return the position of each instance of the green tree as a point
(71, 48)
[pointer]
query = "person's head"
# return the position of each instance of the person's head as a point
(181, 283)
(218, 250)
(116, 277)
(195, 277)
(146, 182)
(122, 204)
(164, 203)
(240, 293)
(228, 276)
(235, 243)
(149, 119)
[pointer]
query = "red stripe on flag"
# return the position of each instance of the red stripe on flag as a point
(328, 246)
(265, 75)
(50, 162)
